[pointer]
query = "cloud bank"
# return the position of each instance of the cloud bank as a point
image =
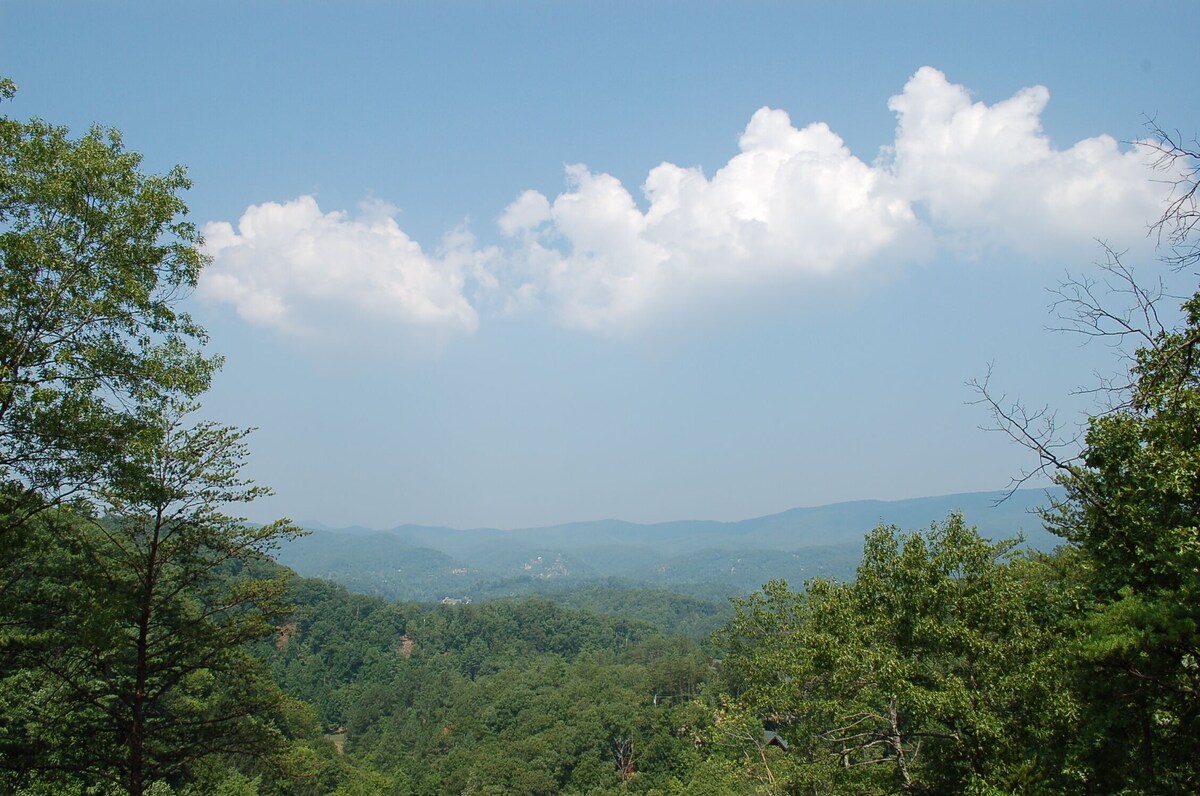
(990, 177)
(297, 269)
(793, 206)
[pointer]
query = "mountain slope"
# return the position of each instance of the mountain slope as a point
(699, 557)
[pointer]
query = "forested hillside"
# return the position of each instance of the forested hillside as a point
(515, 697)
(708, 560)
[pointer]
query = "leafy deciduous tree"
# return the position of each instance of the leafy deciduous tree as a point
(144, 651)
(126, 595)
(1132, 515)
(95, 258)
(935, 670)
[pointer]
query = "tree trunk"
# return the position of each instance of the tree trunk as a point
(137, 730)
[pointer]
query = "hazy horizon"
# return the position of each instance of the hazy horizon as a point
(317, 524)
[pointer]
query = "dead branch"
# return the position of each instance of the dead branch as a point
(1036, 430)
(1180, 161)
(1084, 311)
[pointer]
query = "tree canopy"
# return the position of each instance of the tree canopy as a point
(937, 669)
(127, 595)
(96, 257)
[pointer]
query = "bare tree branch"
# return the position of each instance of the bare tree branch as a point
(1180, 161)
(1037, 430)
(1085, 305)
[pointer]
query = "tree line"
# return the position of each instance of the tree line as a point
(127, 594)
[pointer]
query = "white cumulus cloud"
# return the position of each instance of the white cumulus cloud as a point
(795, 203)
(297, 269)
(990, 176)
(792, 207)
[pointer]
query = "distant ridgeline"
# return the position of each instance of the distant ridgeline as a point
(705, 559)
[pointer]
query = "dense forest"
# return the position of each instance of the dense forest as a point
(151, 644)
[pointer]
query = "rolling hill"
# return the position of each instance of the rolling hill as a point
(703, 557)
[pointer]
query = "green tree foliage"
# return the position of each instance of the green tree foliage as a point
(936, 670)
(95, 258)
(127, 596)
(510, 697)
(1133, 508)
(141, 628)
(671, 611)
(1132, 513)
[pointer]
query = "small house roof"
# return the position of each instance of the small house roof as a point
(772, 738)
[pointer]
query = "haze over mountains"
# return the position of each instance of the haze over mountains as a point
(699, 557)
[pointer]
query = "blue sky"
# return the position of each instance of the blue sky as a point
(522, 263)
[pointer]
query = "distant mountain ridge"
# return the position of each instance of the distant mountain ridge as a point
(702, 557)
